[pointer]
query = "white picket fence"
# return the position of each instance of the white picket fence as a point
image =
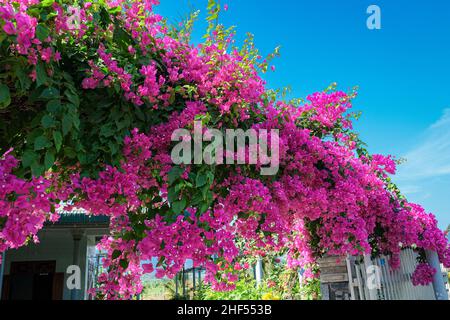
(385, 283)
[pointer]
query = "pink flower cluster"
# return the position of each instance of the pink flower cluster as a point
(423, 275)
(20, 24)
(328, 108)
(24, 205)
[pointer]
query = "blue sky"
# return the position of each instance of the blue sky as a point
(402, 70)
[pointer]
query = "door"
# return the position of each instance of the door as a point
(32, 280)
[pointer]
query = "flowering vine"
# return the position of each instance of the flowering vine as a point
(89, 102)
(423, 275)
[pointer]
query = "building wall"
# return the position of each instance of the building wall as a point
(57, 245)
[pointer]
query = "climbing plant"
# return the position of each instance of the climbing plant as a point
(90, 94)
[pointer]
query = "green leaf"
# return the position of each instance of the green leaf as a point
(196, 199)
(28, 158)
(116, 253)
(161, 261)
(179, 206)
(124, 263)
(42, 32)
(76, 123)
(57, 137)
(172, 194)
(41, 74)
(82, 157)
(210, 177)
(211, 4)
(24, 79)
(72, 97)
(41, 142)
(50, 93)
(106, 131)
(47, 121)
(139, 114)
(66, 124)
(37, 169)
(172, 97)
(70, 153)
(105, 18)
(206, 191)
(113, 147)
(54, 106)
(174, 174)
(121, 37)
(5, 97)
(49, 159)
(203, 207)
(46, 3)
(200, 180)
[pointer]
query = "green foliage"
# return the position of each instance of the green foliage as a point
(157, 289)
(5, 97)
(196, 191)
(53, 119)
(246, 289)
(278, 283)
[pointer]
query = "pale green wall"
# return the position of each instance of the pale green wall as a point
(55, 244)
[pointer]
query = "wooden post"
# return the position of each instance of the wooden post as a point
(183, 281)
(367, 264)
(334, 280)
(176, 285)
(193, 278)
(348, 261)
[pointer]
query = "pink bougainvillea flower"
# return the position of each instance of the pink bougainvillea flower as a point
(9, 28)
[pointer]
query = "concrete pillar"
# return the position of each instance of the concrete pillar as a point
(259, 271)
(2, 271)
(77, 235)
(438, 280)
